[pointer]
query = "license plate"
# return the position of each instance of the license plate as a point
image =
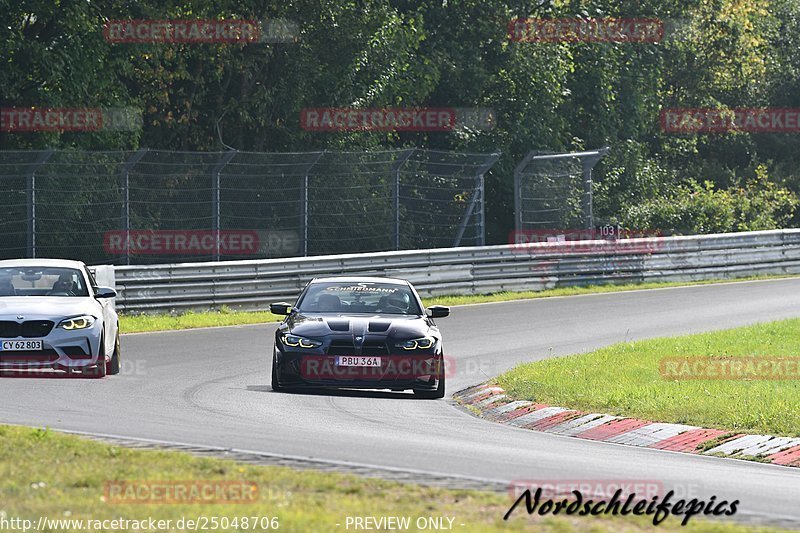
(357, 360)
(20, 346)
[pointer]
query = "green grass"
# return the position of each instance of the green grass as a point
(58, 476)
(227, 317)
(624, 379)
(190, 320)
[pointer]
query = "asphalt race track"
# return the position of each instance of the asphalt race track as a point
(211, 387)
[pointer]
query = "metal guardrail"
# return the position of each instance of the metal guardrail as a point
(474, 270)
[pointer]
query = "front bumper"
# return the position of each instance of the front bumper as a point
(61, 349)
(397, 371)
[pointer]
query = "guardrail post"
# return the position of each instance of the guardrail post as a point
(126, 199)
(31, 200)
(215, 207)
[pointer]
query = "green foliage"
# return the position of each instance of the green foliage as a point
(692, 208)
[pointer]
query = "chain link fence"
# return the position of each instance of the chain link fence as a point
(554, 190)
(154, 206)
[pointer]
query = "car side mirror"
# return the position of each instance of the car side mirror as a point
(280, 308)
(105, 292)
(437, 311)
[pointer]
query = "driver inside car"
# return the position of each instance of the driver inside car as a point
(64, 285)
(396, 301)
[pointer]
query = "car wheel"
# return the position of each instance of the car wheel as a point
(432, 394)
(112, 367)
(275, 385)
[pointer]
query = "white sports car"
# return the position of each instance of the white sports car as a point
(53, 315)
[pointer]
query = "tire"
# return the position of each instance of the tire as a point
(432, 394)
(112, 367)
(275, 385)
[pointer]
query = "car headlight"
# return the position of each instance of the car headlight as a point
(302, 342)
(78, 322)
(417, 344)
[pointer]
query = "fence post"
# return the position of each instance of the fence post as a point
(31, 198)
(518, 220)
(477, 192)
(588, 194)
(587, 159)
(304, 207)
(396, 209)
(126, 199)
(396, 194)
(304, 203)
(586, 197)
(481, 213)
(215, 208)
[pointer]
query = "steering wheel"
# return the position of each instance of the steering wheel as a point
(60, 293)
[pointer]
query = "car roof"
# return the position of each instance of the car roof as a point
(361, 279)
(64, 263)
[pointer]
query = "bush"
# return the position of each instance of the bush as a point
(695, 208)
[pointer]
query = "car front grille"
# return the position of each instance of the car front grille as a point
(341, 348)
(28, 329)
(345, 347)
(374, 348)
(46, 355)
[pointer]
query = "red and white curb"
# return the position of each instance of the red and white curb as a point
(490, 402)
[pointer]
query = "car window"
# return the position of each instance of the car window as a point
(359, 297)
(42, 281)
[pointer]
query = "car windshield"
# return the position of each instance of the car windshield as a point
(359, 297)
(42, 281)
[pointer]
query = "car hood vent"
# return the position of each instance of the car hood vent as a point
(339, 325)
(377, 326)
